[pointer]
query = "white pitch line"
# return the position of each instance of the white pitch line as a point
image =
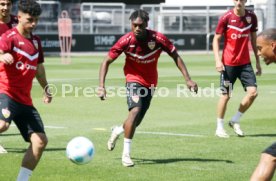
(169, 134)
(157, 133)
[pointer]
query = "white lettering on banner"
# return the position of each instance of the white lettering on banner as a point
(104, 40)
(20, 66)
(179, 42)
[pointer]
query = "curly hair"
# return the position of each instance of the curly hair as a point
(141, 14)
(30, 7)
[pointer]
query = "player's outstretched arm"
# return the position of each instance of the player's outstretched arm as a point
(41, 78)
(182, 67)
(102, 75)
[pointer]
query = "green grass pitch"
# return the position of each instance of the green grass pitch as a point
(175, 140)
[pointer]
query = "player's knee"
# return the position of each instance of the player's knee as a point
(3, 126)
(253, 94)
(39, 140)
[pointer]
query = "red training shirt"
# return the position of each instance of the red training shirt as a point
(236, 32)
(142, 56)
(16, 79)
(6, 26)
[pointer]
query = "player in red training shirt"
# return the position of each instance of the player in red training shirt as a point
(237, 26)
(7, 21)
(21, 59)
(142, 48)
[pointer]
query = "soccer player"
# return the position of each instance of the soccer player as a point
(142, 48)
(7, 21)
(21, 59)
(266, 44)
(237, 26)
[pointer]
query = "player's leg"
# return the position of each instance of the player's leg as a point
(139, 99)
(267, 164)
(7, 108)
(248, 80)
(227, 80)
(31, 128)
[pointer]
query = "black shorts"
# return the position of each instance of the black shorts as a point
(138, 95)
(271, 150)
(26, 118)
(244, 73)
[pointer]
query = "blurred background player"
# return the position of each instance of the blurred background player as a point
(7, 21)
(266, 44)
(21, 59)
(142, 48)
(237, 26)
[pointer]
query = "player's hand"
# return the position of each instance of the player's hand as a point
(47, 98)
(192, 86)
(6, 58)
(219, 66)
(102, 93)
(259, 69)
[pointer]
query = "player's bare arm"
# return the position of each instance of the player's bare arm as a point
(103, 71)
(182, 67)
(6, 58)
(41, 78)
(219, 64)
(255, 49)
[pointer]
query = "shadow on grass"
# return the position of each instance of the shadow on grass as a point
(10, 134)
(173, 160)
(262, 135)
(23, 150)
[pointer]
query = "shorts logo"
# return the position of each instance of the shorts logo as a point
(6, 113)
(151, 45)
(135, 98)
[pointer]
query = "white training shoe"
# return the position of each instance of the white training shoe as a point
(126, 161)
(2, 150)
(221, 133)
(112, 140)
(237, 128)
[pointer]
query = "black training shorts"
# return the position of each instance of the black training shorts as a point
(244, 73)
(138, 95)
(26, 118)
(271, 150)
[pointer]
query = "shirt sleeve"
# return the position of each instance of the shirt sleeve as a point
(5, 43)
(166, 44)
(254, 27)
(118, 47)
(221, 27)
(40, 50)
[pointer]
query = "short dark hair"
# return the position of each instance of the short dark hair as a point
(269, 34)
(141, 14)
(30, 7)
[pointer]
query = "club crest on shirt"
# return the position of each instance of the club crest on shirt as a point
(35, 44)
(135, 98)
(6, 113)
(151, 45)
(248, 19)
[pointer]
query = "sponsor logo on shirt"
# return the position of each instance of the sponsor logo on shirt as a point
(21, 66)
(235, 36)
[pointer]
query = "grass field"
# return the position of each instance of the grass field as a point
(174, 142)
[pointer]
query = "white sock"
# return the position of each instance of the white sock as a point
(236, 117)
(119, 129)
(220, 124)
(127, 146)
(24, 174)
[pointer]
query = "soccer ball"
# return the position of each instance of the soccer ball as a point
(80, 150)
